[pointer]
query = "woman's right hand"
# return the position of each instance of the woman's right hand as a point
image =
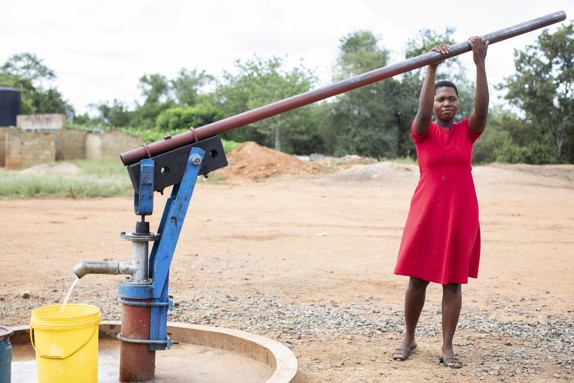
(442, 49)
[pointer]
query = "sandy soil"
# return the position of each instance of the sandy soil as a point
(325, 235)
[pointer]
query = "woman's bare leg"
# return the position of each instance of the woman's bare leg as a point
(414, 303)
(451, 305)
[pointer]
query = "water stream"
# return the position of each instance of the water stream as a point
(68, 296)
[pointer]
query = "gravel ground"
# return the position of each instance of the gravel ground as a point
(522, 346)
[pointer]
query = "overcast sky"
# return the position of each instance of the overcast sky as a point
(99, 49)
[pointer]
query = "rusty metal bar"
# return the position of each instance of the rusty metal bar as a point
(278, 107)
(137, 361)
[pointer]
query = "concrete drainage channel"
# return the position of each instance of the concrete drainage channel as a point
(199, 354)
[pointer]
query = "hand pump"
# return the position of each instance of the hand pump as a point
(178, 161)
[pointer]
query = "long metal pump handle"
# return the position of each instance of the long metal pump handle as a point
(266, 111)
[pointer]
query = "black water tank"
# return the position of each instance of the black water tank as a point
(9, 106)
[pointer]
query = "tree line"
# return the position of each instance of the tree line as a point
(372, 121)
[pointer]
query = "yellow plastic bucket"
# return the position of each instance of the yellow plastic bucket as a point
(66, 343)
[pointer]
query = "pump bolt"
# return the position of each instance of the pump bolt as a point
(196, 160)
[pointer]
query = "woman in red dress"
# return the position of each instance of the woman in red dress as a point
(441, 238)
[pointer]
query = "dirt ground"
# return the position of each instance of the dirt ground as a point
(322, 237)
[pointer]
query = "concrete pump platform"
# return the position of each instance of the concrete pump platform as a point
(201, 354)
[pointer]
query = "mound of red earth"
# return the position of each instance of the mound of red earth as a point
(253, 161)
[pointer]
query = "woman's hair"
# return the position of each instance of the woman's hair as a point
(443, 83)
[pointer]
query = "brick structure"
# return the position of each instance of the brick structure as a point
(44, 138)
(22, 148)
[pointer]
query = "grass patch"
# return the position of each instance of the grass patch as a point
(92, 179)
(71, 186)
(73, 179)
(101, 168)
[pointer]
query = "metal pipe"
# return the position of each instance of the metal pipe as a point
(139, 260)
(104, 267)
(140, 247)
(263, 112)
(137, 361)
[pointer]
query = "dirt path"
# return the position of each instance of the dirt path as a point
(308, 260)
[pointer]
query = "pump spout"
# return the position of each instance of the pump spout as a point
(104, 267)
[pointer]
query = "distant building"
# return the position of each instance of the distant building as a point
(43, 138)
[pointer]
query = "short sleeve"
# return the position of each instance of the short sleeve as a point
(473, 136)
(417, 137)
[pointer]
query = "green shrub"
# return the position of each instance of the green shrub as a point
(179, 118)
(489, 144)
(536, 153)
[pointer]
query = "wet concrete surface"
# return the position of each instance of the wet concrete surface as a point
(184, 362)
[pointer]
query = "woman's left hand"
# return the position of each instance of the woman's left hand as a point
(479, 48)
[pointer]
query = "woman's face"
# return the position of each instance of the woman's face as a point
(445, 103)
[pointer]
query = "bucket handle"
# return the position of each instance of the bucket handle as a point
(59, 357)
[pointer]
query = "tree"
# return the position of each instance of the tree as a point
(179, 118)
(260, 82)
(543, 88)
(27, 73)
(116, 114)
(154, 88)
(188, 84)
(156, 91)
(159, 94)
(359, 53)
(29, 66)
(363, 122)
(401, 96)
(51, 101)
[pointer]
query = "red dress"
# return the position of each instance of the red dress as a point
(441, 238)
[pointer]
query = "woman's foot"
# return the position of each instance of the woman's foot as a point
(449, 358)
(402, 354)
(452, 362)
